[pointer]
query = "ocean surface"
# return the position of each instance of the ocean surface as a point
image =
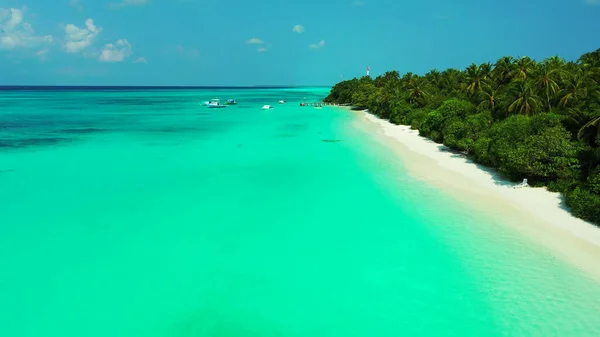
(140, 213)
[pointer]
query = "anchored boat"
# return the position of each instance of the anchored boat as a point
(206, 103)
(215, 103)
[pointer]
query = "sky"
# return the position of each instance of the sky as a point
(276, 42)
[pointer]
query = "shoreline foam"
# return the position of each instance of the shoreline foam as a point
(536, 212)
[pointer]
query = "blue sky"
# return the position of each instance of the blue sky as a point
(276, 42)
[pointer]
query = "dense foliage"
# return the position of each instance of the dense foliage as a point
(527, 119)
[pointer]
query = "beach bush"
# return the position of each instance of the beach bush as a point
(432, 122)
(399, 111)
(584, 204)
(504, 116)
(481, 151)
(593, 181)
(456, 107)
(414, 118)
(454, 132)
(435, 101)
(546, 156)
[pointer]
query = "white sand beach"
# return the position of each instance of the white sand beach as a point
(536, 212)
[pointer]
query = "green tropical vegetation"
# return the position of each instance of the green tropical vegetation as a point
(526, 119)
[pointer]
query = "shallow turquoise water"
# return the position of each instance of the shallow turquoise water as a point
(143, 214)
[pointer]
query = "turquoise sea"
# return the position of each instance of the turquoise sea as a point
(140, 213)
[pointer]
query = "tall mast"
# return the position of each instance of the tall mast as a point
(368, 69)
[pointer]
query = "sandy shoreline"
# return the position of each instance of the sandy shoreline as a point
(536, 212)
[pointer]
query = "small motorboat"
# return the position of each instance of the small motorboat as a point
(231, 102)
(267, 107)
(206, 103)
(281, 102)
(216, 104)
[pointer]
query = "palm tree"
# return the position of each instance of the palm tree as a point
(503, 69)
(488, 98)
(591, 59)
(486, 69)
(407, 79)
(575, 87)
(450, 81)
(547, 82)
(524, 98)
(434, 77)
(390, 78)
(591, 129)
(475, 79)
(417, 91)
(523, 67)
(555, 62)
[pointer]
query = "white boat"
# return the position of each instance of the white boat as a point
(282, 102)
(267, 107)
(215, 103)
(206, 103)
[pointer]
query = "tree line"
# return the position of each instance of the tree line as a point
(526, 119)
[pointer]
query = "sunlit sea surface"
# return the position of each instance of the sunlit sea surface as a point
(127, 213)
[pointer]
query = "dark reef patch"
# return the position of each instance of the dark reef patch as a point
(137, 101)
(31, 142)
(80, 131)
(67, 108)
(177, 129)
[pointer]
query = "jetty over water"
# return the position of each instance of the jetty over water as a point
(318, 104)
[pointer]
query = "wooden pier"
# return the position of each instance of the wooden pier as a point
(317, 104)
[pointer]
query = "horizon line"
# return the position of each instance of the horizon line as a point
(12, 87)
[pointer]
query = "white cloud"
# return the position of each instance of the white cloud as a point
(298, 29)
(358, 3)
(255, 41)
(592, 2)
(117, 52)
(319, 45)
(17, 33)
(126, 3)
(77, 39)
(42, 54)
(264, 49)
(140, 60)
